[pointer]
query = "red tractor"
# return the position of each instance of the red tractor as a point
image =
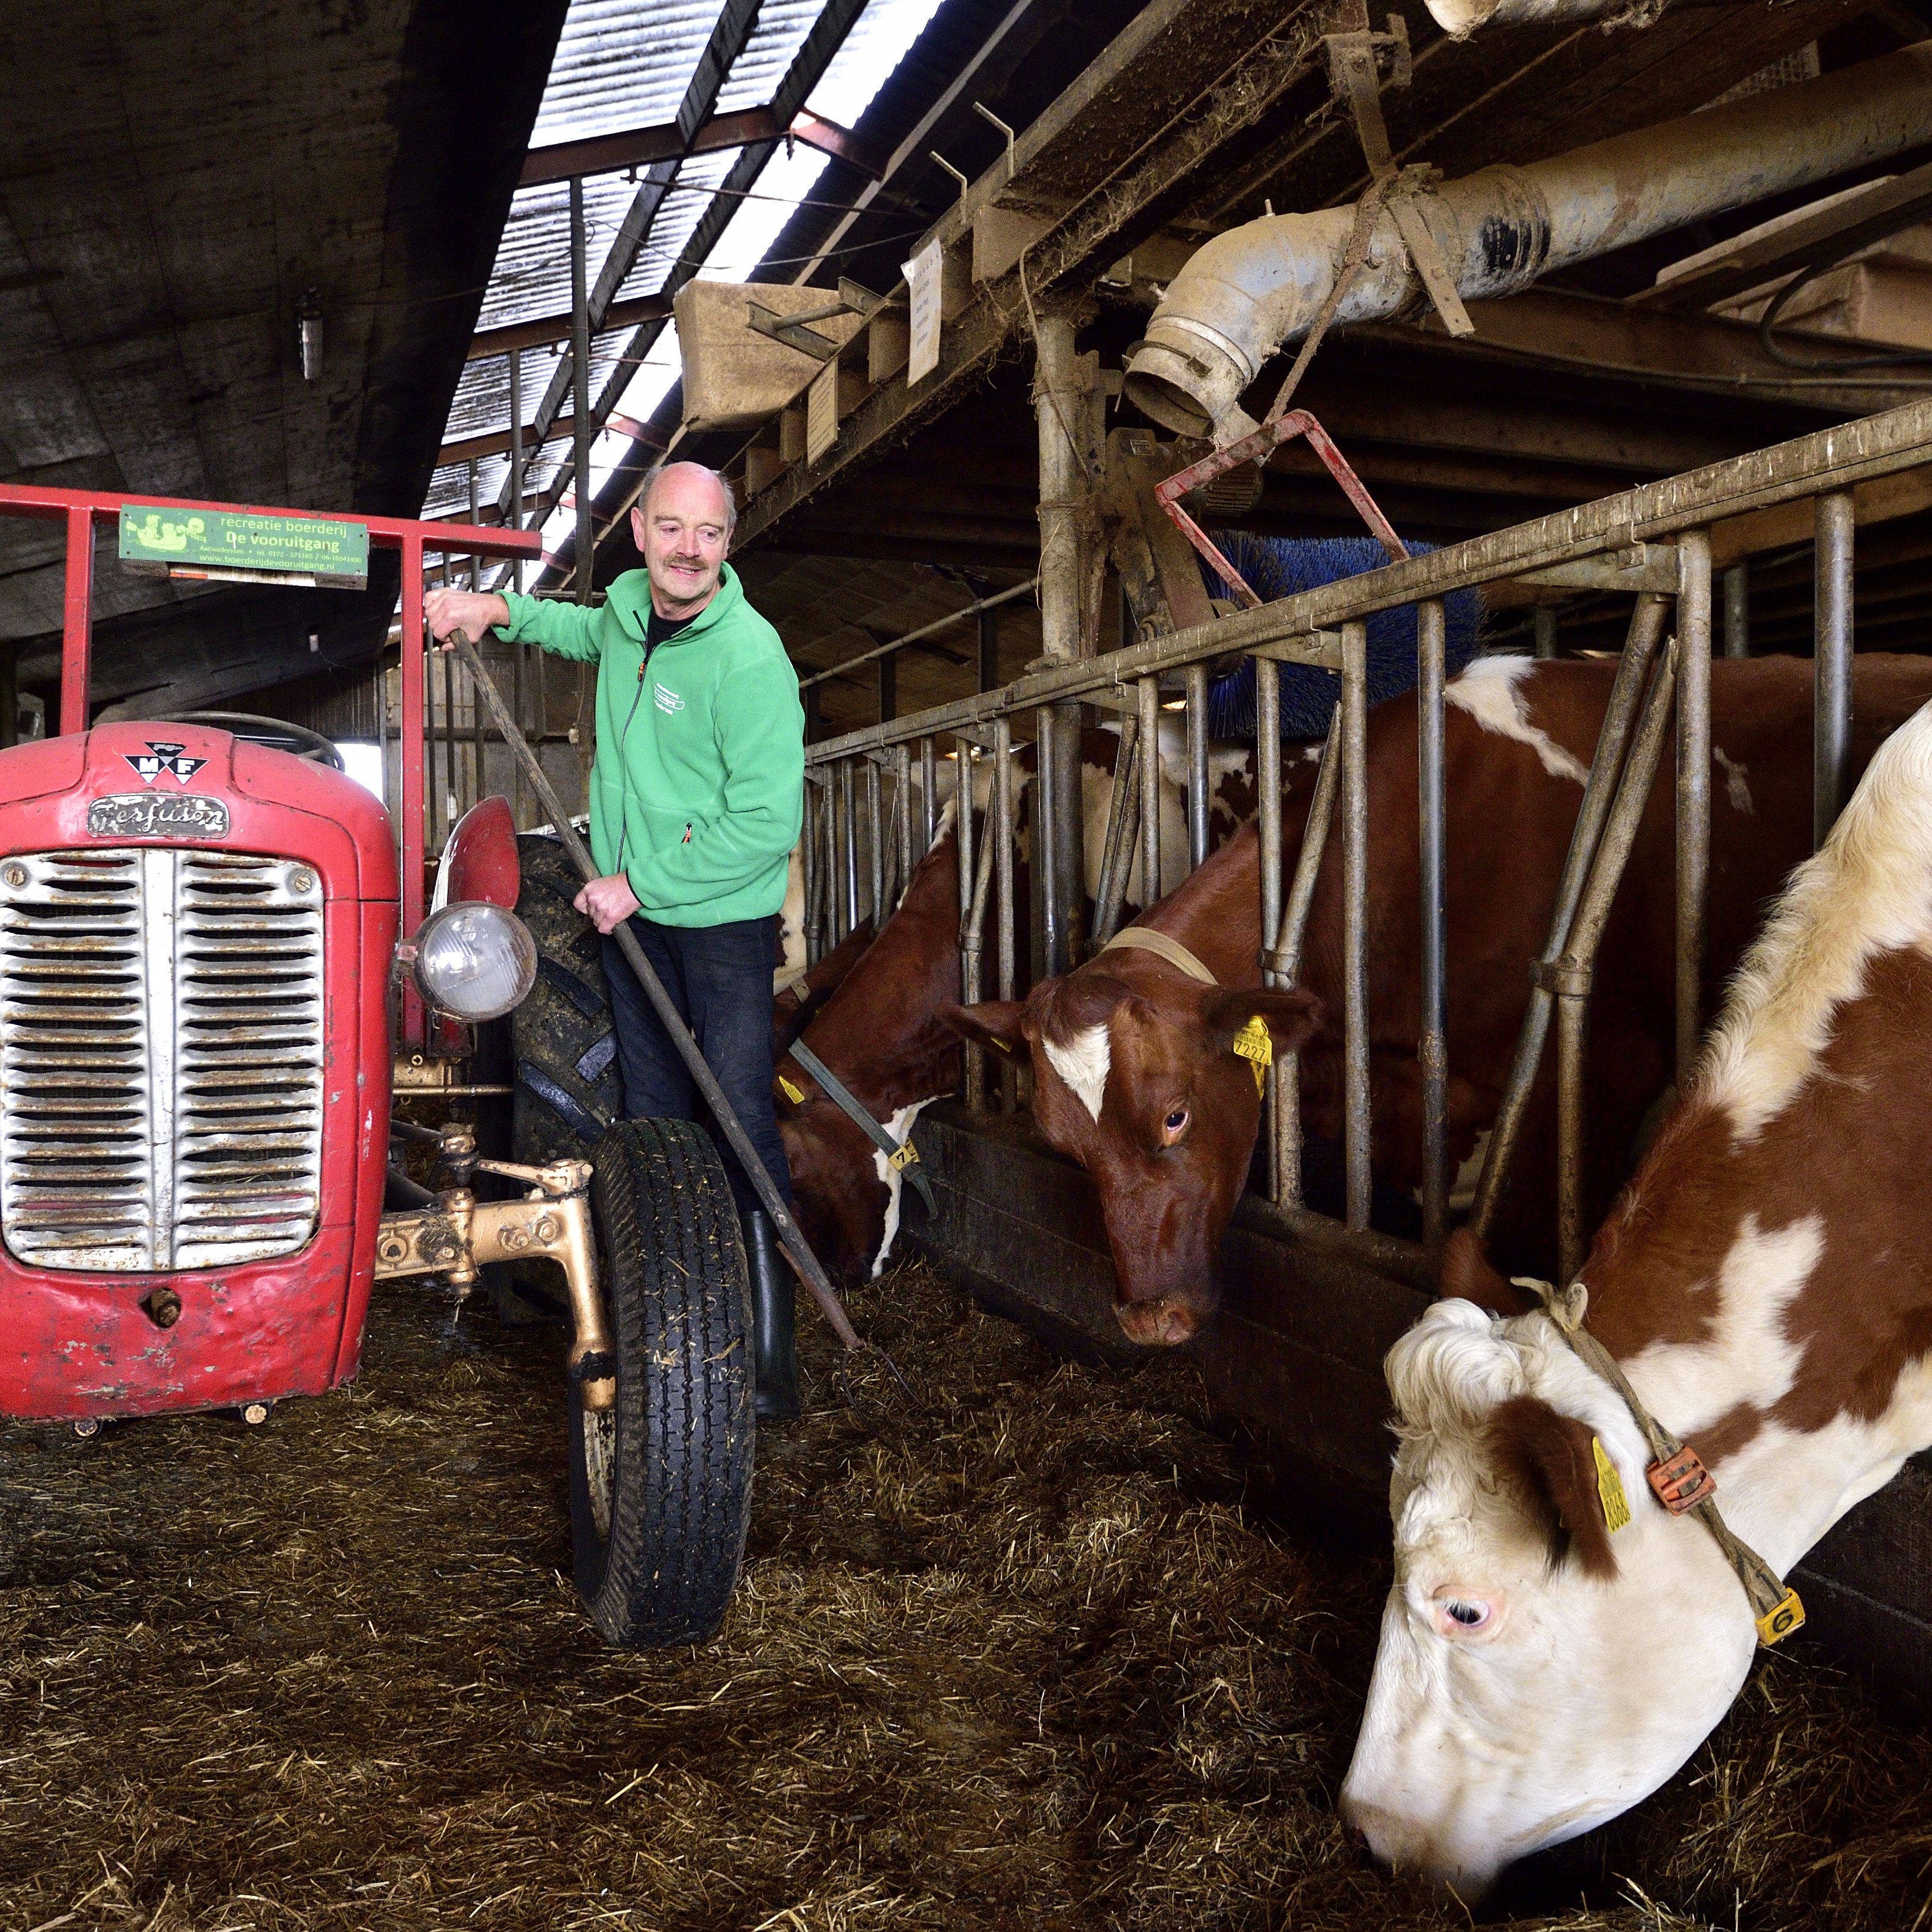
(203, 1003)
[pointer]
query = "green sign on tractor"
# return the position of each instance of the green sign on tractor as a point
(173, 540)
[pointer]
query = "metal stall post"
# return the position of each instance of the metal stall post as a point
(1570, 978)
(1284, 962)
(520, 662)
(902, 817)
(848, 841)
(580, 383)
(969, 963)
(808, 868)
(1195, 678)
(1694, 790)
(1354, 747)
(1432, 650)
(1646, 628)
(1148, 689)
(1831, 663)
(1542, 629)
(1123, 820)
(828, 821)
(1267, 781)
(928, 785)
(875, 833)
(1001, 832)
(1737, 611)
(1059, 867)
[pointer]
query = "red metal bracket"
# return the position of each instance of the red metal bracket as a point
(1682, 1482)
(1257, 448)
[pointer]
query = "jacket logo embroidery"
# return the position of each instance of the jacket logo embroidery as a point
(667, 700)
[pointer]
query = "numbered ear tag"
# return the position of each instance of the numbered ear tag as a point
(1255, 1045)
(1609, 1488)
(796, 1095)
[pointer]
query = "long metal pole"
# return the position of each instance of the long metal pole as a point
(1001, 832)
(1646, 627)
(928, 788)
(794, 1243)
(962, 819)
(1570, 978)
(1356, 1126)
(1058, 860)
(1737, 611)
(580, 380)
(1195, 678)
(875, 837)
(1118, 851)
(808, 869)
(1431, 655)
(1832, 664)
(848, 838)
(1148, 691)
(828, 819)
(1694, 790)
(1542, 629)
(902, 815)
(415, 777)
(1268, 779)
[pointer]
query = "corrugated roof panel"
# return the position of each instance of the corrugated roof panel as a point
(532, 274)
(781, 28)
(621, 65)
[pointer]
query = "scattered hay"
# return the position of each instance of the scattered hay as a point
(1024, 1659)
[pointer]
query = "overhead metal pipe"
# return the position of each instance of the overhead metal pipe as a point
(1459, 19)
(1241, 297)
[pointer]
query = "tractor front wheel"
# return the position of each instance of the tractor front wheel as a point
(661, 1482)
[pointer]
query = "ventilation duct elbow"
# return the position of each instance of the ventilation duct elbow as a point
(1244, 295)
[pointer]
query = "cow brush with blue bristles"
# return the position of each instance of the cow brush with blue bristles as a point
(1276, 567)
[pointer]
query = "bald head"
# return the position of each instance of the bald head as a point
(683, 527)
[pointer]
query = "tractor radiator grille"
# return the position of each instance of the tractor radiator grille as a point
(160, 1057)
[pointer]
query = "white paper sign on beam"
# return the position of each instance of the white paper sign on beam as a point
(923, 284)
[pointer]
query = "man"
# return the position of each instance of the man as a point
(696, 796)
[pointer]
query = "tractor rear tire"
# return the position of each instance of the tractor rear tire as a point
(563, 1042)
(661, 1482)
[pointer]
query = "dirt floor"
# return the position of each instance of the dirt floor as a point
(1020, 1660)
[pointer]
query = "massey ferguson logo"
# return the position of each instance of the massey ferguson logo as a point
(150, 764)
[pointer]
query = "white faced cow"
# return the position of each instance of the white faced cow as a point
(1766, 1284)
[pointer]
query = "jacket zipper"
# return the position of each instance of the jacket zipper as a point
(623, 767)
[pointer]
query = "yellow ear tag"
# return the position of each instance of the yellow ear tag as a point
(1609, 1488)
(1254, 1045)
(796, 1095)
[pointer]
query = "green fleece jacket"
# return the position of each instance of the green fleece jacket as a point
(698, 789)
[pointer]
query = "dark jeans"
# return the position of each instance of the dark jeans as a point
(719, 978)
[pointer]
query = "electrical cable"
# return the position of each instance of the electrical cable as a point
(1775, 307)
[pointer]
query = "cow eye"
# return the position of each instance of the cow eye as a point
(1174, 1127)
(1467, 1612)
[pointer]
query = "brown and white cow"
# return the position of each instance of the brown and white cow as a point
(1766, 1284)
(881, 1032)
(1132, 1076)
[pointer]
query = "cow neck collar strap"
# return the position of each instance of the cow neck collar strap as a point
(1775, 1608)
(1146, 939)
(903, 1159)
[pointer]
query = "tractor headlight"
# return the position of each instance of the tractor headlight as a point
(474, 961)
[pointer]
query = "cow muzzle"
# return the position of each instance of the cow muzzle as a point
(1165, 1324)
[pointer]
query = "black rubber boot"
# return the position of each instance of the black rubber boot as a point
(773, 1330)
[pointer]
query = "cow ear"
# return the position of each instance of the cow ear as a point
(1467, 1275)
(995, 1023)
(1290, 1017)
(1547, 1456)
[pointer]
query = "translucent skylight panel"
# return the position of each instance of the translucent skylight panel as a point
(620, 65)
(782, 25)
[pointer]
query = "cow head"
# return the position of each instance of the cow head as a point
(1538, 1673)
(1145, 1090)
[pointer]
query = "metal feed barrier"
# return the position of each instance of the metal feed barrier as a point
(1660, 543)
